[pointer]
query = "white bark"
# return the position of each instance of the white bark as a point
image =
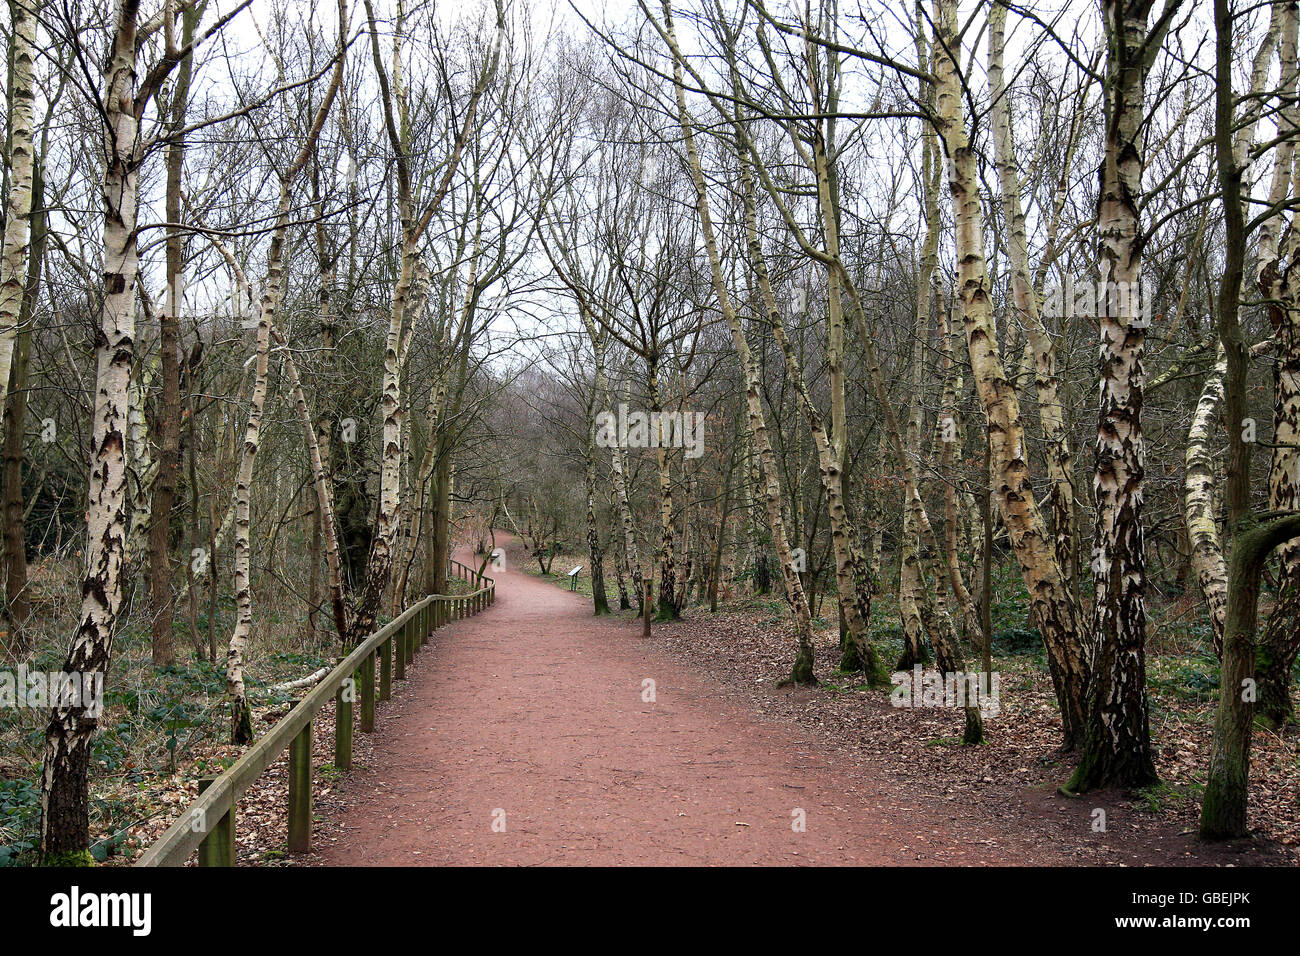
(1053, 606)
(64, 797)
(21, 162)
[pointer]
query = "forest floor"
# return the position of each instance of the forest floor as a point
(1005, 791)
(533, 717)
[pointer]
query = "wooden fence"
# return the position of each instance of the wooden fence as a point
(208, 824)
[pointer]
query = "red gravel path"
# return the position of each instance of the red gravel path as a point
(535, 708)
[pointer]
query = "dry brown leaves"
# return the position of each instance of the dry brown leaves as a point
(1006, 790)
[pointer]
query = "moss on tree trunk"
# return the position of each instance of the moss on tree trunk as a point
(1223, 810)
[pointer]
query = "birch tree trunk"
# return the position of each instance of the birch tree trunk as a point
(910, 578)
(169, 421)
(719, 531)
(620, 562)
(854, 600)
(1053, 607)
(910, 581)
(1201, 476)
(667, 603)
(411, 286)
(802, 672)
(600, 602)
(1198, 502)
(241, 724)
(948, 419)
(17, 598)
(1117, 749)
(241, 718)
(1280, 642)
(407, 305)
(324, 495)
(20, 159)
(1047, 380)
(143, 466)
(65, 803)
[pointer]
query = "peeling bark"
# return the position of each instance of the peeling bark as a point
(1117, 751)
(65, 804)
(1053, 607)
(1280, 642)
(1024, 298)
(21, 162)
(1198, 502)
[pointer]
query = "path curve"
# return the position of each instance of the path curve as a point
(535, 709)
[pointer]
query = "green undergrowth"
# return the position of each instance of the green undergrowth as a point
(156, 722)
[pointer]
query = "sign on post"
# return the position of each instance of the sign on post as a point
(573, 578)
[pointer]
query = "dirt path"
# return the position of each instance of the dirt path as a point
(535, 708)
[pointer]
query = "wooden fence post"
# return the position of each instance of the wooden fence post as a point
(218, 847)
(386, 670)
(343, 700)
(399, 655)
(645, 608)
(300, 792)
(368, 694)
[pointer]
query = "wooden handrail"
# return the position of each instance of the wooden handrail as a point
(208, 824)
(466, 573)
